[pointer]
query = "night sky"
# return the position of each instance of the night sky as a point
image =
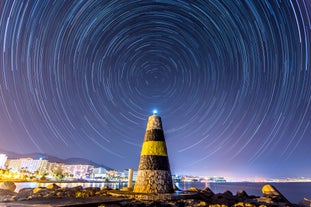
(231, 80)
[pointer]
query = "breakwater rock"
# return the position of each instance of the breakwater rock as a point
(192, 197)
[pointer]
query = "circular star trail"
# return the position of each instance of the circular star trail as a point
(230, 79)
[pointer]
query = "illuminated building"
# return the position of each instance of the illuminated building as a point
(28, 164)
(3, 159)
(78, 171)
(54, 168)
(99, 172)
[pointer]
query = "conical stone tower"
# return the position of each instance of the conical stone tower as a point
(154, 174)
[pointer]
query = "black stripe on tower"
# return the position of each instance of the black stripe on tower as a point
(152, 162)
(154, 135)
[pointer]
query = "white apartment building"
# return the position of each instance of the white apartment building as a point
(55, 168)
(3, 159)
(78, 171)
(28, 164)
(100, 172)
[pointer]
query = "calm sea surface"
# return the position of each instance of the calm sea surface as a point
(294, 192)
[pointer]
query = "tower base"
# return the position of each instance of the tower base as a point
(153, 181)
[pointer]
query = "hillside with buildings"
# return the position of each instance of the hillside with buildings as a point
(34, 167)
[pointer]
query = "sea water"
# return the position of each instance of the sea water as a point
(293, 191)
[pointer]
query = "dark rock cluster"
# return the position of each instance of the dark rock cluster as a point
(207, 197)
(52, 191)
(193, 197)
(44, 192)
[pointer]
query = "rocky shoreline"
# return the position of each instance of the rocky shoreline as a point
(53, 195)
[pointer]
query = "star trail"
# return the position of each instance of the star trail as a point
(230, 79)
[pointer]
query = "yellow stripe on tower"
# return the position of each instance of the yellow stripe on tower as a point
(157, 148)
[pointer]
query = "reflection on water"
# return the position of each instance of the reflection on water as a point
(187, 185)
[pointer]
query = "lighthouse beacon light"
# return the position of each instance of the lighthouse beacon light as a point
(155, 112)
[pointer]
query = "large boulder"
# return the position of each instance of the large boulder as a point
(52, 186)
(207, 192)
(8, 186)
(305, 202)
(66, 192)
(241, 195)
(43, 192)
(6, 195)
(225, 198)
(270, 191)
(69, 192)
(91, 191)
(24, 194)
(193, 189)
(87, 192)
(228, 195)
(38, 189)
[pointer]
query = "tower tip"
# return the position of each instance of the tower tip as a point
(155, 112)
